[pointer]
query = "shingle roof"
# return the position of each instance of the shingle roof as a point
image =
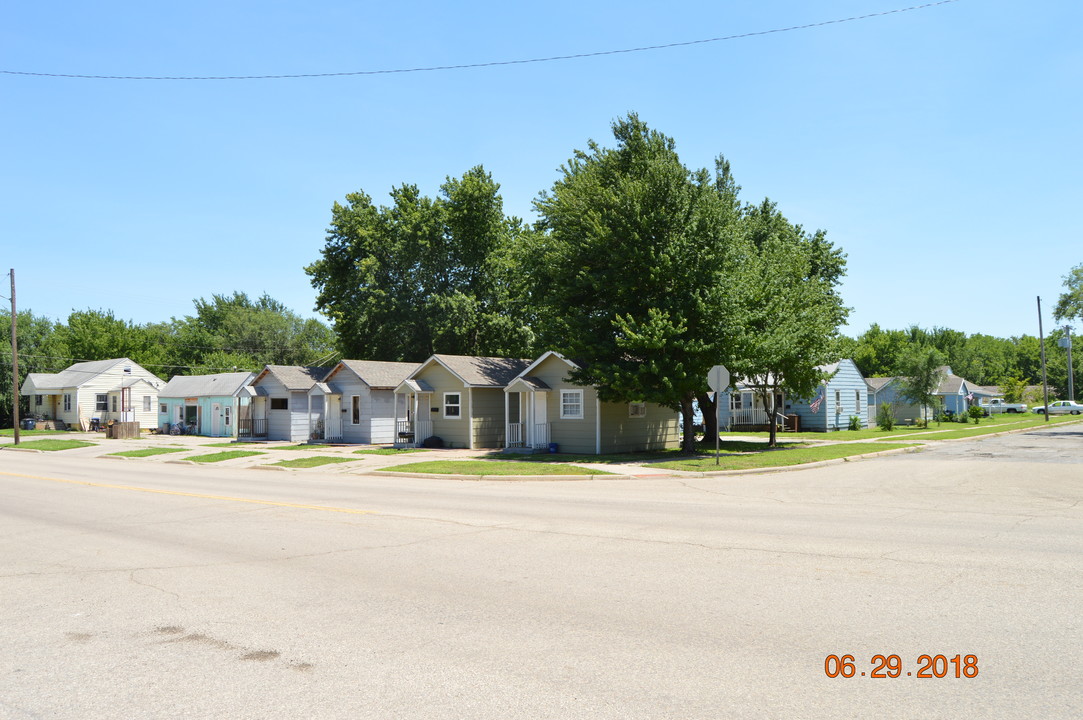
(221, 384)
(877, 384)
(379, 374)
(73, 376)
(484, 371)
(296, 377)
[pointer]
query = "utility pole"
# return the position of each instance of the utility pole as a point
(1041, 341)
(14, 361)
(1067, 344)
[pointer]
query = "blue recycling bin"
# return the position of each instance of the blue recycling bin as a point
(29, 423)
(553, 447)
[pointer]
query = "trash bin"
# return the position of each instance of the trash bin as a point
(29, 423)
(553, 447)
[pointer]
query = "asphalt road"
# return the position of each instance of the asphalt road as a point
(166, 591)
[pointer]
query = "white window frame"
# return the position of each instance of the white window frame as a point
(271, 404)
(637, 409)
(147, 403)
(229, 414)
(578, 394)
(67, 402)
(355, 409)
(857, 401)
(101, 402)
(163, 408)
(838, 401)
(458, 405)
(39, 400)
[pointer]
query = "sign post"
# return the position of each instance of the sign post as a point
(718, 379)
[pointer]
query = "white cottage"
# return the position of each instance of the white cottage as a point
(102, 390)
(280, 406)
(359, 400)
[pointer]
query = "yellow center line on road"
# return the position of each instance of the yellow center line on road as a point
(202, 496)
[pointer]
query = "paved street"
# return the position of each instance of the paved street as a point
(139, 589)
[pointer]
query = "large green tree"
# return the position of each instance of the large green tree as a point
(423, 275)
(921, 375)
(1070, 303)
(41, 349)
(630, 273)
(235, 331)
(790, 308)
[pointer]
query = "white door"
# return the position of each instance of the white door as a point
(216, 419)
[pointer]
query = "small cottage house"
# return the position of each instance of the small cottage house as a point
(97, 392)
(206, 404)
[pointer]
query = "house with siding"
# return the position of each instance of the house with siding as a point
(359, 400)
(542, 406)
(458, 398)
(104, 390)
(841, 395)
(208, 404)
(280, 406)
(956, 395)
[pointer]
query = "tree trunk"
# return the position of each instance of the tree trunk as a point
(688, 442)
(772, 428)
(709, 409)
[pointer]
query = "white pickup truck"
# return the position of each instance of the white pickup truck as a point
(997, 405)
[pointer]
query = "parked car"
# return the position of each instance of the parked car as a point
(1062, 407)
(997, 405)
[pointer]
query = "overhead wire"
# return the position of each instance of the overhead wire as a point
(493, 63)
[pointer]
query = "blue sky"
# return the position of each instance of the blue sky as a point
(940, 147)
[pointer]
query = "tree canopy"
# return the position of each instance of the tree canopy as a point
(422, 275)
(629, 274)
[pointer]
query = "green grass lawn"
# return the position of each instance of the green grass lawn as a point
(653, 456)
(148, 452)
(493, 467)
(229, 455)
(782, 457)
(301, 446)
(387, 451)
(905, 431)
(310, 462)
(220, 444)
(10, 432)
(998, 423)
(53, 445)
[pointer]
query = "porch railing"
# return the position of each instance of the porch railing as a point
(515, 435)
(541, 435)
(748, 416)
(410, 433)
(252, 427)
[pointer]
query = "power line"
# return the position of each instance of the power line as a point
(495, 63)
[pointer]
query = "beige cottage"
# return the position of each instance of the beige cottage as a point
(104, 390)
(544, 407)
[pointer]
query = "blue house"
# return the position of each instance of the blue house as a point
(208, 404)
(842, 395)
(956, 395)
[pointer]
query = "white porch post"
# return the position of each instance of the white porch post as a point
(507, 421)
(309, 397)
(470, 417)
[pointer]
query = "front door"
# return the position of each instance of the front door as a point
(216, 419)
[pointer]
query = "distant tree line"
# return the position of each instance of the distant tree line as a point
(225, 333)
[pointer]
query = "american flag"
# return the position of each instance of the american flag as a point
(815, 406)
(970, 396)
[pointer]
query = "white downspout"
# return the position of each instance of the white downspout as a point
(597, 425)
(470, 417)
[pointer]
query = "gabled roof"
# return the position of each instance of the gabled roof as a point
(375, 373)
(876, 384)
(477, 371)
(545, 356)
(293, 377)
(221, 385)
(75, 375)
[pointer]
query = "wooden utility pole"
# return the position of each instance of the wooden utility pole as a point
(14, 361)
(1041, 341)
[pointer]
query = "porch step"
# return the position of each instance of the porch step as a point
(523, 451)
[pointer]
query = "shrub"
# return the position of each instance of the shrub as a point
(885, 417)
(977, 413)
(855, 422)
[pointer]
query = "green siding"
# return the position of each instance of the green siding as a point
(658, 430)
(454, 432)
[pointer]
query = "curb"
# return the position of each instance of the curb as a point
(541, 478)
(803, 466)
(269, 467)
(115, 457)
(19, 449)
(1010, 432)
